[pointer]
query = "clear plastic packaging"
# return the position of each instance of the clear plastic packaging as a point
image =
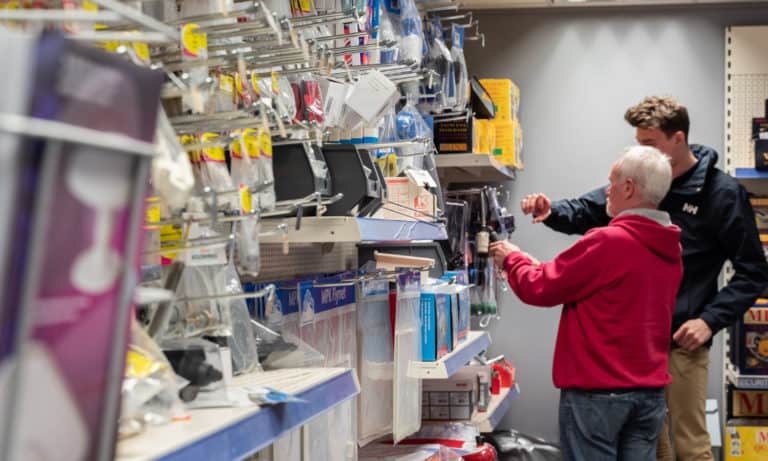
(242, 342)
(149, 393)
(197, 317)
(461, 75)
(412, 43)
(249, 252)
(215, 164)
(407, 390)
(376, 361)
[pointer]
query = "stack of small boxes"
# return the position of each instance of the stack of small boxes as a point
(497, 133)
(746, 432)
(507, 132)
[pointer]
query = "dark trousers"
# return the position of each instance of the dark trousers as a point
(610, 426)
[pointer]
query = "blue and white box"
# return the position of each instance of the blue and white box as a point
(436, 327)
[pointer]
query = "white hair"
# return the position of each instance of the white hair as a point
(649, 169)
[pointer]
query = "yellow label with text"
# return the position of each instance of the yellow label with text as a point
(746, 443)
(141, 50)
(213, 153)
(245, 200)
(227, 84)
(193, 44)
(170, 235)
(306, 5)
(265, 143)
(275, 88)
(152, 216)
(255, 84)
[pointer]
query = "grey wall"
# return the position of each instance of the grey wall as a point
(578, 70)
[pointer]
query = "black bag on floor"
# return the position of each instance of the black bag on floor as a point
(511, 445)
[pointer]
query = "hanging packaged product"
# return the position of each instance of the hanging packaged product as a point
(412, 45)
(438, 61)
(224, 96)
(376, 361)
(389, 32)
(172, 174)
(267, 198)
(312, 101)
(407, 347)
(215, 164)
(461, 76)
(369, 99)
(240, 339)
(194, 47)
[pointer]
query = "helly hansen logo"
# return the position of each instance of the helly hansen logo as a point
(690, 209)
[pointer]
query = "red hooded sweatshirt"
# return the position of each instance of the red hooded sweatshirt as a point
(618, 285)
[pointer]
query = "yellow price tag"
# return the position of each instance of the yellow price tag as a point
(216, 153)
(265, 143)
(275, 88)
(142, 51)
(306, 6)
(227, 84)
(251, 138)
(245, 200)
(138, 365)
(255, 84)
(193, 44)
(153, 212)
(170, 235)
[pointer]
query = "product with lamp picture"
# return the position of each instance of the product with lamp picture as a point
(750, 351)
(85, 257)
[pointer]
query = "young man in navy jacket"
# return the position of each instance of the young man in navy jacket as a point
(612, 349)
(718, 224)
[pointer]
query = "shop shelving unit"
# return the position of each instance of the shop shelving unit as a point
(241, 431)
(326, 229)
(472, 168)
(477, 342)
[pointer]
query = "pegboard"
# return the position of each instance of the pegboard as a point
(305, 258)
(746, 89)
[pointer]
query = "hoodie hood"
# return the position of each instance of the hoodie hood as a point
(661, 240)
(692, 181)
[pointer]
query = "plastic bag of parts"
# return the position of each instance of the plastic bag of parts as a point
(223, 97)
(248, 248)
(483, 294)
(461, 76)
(412, 42)
(389, 31)
(512, 445)
(149, 393)
(198, 317)
(266, 188)
(439, 61)
(311, 99)
(407, 391)
(375, 362)
(276, 93)
(241, 341)
(411, 125)
(244, 153)
(203, 366)
(215, 164)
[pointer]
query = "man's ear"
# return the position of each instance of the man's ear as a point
(679, 137)
(630, 188)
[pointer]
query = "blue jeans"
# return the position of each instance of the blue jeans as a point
(611, 426)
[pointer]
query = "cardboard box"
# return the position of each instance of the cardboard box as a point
(485, 137)
(504, 149)
(747, 403)
(440, 413)
(436, 328)
(405, 191)
(750, 353)
(760, 206)
(505, 95)
(745, 442)
(455, 136)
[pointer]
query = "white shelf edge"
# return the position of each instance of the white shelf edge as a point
(241, 431)
(445, 367)
(488, 420)
(754, 382)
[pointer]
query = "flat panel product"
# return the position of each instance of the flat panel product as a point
(300, 170)
(351, 177)
(81, 282)
(407, 391)
(375, 361)
(15, 205)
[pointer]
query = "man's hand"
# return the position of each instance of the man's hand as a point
(538, 205)
(500, 250)
(692, 334)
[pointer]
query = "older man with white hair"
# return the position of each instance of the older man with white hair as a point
(618, 285)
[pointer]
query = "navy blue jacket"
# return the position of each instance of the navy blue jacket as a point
(717, 223)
